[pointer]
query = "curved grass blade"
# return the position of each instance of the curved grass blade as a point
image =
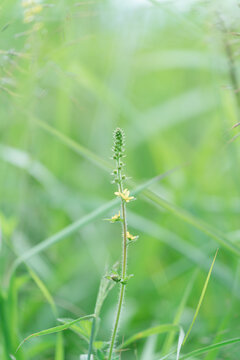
(149, 124)
(55, 329)
(11, 311)
(23, 160)
(78, 148)
(180, 342)
(190, 219)
(218, 338)
(201, 298)
(170, 338)
(149, 348)
(227, 317)
(104, 288)
(72, 228)
(43, 290)
(83, 329)
(151, 331)
(67, 231)
(189, 251)
(184, 215)
(59, 350)
(209, 348)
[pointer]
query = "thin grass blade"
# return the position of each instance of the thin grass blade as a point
(43, 290)
(201, 298)
(199, 224)
(55, 329)
(149, 332)
(206, 349)
(104, 288)
(184, 215)
(170, 337)
(75, 226)
(180, 342)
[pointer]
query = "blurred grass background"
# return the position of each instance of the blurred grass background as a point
(163, 72)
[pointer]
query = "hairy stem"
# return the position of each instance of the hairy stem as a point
(124, 263)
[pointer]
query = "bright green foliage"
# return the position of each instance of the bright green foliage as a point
(167, 72)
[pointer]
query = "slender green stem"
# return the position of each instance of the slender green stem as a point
(232, 68)
(4, 330)
(91, 338)
(124, 264)
(120, 302)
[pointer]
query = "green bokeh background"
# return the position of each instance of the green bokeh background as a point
(161, 72)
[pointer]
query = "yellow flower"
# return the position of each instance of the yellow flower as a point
(124, 195)
(131, 237)
(116, 217)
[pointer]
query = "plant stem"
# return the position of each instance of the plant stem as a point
(91, 338)
(124, 264)
(4, 330)
(231, 65)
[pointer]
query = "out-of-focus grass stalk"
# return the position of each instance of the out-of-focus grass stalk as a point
(232, 69)
(103, 291)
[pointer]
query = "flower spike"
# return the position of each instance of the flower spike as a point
(127, 238)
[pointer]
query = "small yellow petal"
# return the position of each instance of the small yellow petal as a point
(125, 195)
(131, 237)
(116, 216)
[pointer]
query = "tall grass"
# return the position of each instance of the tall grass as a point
(167, 73)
